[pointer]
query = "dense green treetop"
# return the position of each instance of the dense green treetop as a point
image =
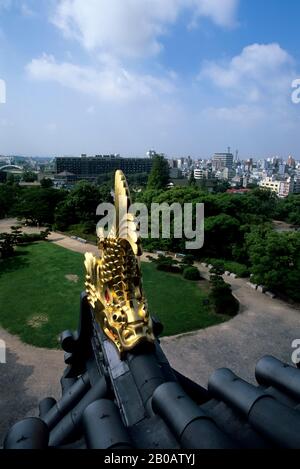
(159, 176)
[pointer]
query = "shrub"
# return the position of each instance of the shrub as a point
(241, 270)
(27, 238)
(189, 259)
(7, 243)
(191, 273)
(173, 269)
(221, 297)
(218, 268)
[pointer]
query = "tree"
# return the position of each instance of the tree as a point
(16, 233)
(80, 205)
(11, 179)
(192, 180)
(221, 233)
(222, 186)
(8, 197)
(288, 209)
(38, 205)
(29, 176)
(275, 260)
(159, 176)
(46, 183)
(106, 178)
(7, 243)
(191, 273)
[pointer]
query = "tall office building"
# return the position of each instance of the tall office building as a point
(222, 160)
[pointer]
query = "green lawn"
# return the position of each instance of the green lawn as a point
(38, 301)
(177, 302)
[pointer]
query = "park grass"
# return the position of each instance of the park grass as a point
(178, 303)
(38, 300)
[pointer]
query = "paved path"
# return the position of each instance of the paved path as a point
(29, 375)
(264, 326)
(77, 246)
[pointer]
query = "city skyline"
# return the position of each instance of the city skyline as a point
(183, 77)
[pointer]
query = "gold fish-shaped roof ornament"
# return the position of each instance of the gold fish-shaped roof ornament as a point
(114, 280)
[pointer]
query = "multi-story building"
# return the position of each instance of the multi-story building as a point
(270, 183)
(222, 160)
(291, 162)
(200, 174)
(297, 185)
(281, 188)
(90, 167)
(175, 173)
(228, 174)
(286, 187)
(281, 169)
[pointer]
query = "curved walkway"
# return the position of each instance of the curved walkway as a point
(29, 375)
(264, 326)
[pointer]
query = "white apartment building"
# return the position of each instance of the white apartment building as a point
(281, 188)
(200, 173)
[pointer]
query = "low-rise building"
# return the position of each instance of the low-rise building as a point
(270, 183)
(282, 188)
(200, 174)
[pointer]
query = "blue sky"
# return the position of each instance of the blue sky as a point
(123, 76)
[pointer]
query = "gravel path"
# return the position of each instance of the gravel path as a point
(264, 326)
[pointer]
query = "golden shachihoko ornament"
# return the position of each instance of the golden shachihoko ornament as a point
(114, 281)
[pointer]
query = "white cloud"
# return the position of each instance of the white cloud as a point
(253, 88)
(109, 83)
(259, 71)
(133, 27)
(114, 31)
(221, 12)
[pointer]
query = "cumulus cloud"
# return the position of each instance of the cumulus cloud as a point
(221, 12)
(133, 27)
(114, 32)
(253, 88)
(109, 83)
(259, 71)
